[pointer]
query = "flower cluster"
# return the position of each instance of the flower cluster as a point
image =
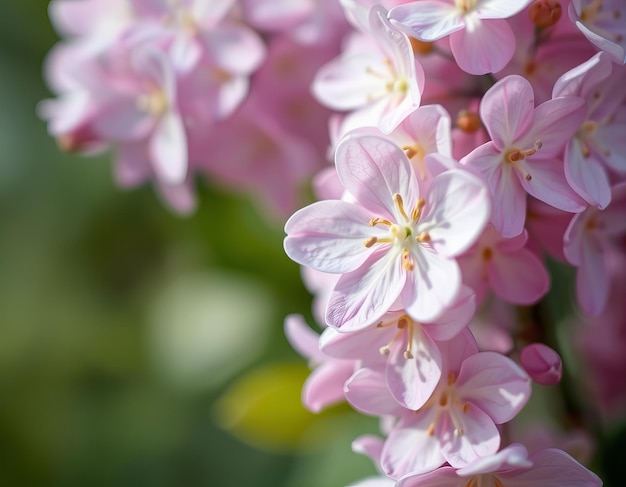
(472, 140)
(178, 88)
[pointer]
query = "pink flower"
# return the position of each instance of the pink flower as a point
(602, 23)
(423, 131)
(480, 39)
(410, 355)
(390, 242)
(492, 262)
(511, 467)
(458, 424)
(599, 143)
(523, 155)
(588, 242)
(377, 78)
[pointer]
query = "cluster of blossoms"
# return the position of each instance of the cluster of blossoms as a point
(180, 88)
(472, 141)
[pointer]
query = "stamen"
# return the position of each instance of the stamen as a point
(407, 353)
(382, 221)
(458, 432)
(431, 430)
(443, 400)
(497, 482)
(417, 210)
(369, 242)
(407, 260)
(397, 199)
(451, 378)
(423, 237)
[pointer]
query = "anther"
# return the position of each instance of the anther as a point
(369, 242)
(407, 260)
(423, 237)
(431, 430)
(397, 199)
(375, 221)
(458, 432)
(451, 378)
(417, 210)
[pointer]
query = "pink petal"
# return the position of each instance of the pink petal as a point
(324, 386)
(514, 455)
(373, 169)
(519, 278)
(455, 318)
(412, 381)
(362, 297)
(592, 278)
(553, 468)
(480, 437)
(410, 449)
(367, 392)
(555, 122)
(302, 338)
(496, 9)
(457, 209)
(328, 236)
(549, 185)
(427, 20)
(168, 149)
(486, 47)
(495, 384)
(586, 176)
(355, 345)
(432, 287)
(507, 109)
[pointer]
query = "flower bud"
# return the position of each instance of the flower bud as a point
(468, 121)
(542, 363)
(545, 13)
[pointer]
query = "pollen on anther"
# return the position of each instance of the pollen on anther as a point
(369, 242)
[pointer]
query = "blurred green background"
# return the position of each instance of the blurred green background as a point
(138, 348)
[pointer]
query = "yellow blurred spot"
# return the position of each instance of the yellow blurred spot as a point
(264, 408)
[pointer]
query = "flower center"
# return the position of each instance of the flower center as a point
(393, 82)
(466, 6)
(154, 102)
(515, 156)
(448, 402)
(401, 234)
(404, 324)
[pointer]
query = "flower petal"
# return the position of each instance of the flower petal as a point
(427, 20)
(484, 46)
(328, 236)
(495, 384)
(362, 297)
(507, 109)
(457, 209)
(373, 169)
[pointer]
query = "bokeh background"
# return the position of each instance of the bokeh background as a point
(139, 348)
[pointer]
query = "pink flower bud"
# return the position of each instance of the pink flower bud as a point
(542, 363)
